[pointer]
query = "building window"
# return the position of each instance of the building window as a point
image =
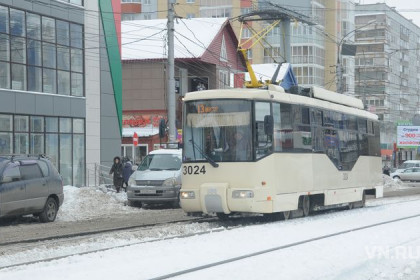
(147, 2)
(223, 79)
(223, 52)
(246, 33)
(147, 16)
(41, 54)
(249, 53)
(75, 2)
(190, 1)
(62, 140)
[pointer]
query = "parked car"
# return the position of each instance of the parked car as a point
(30, 185)
(157, 179)
(407, 164)
(409, 174)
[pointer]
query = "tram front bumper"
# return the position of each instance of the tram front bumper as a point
(219, 198)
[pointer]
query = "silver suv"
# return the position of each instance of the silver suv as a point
(30, 185)
(157, 179)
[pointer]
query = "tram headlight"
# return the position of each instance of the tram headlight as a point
(187, 195)
(242, 194)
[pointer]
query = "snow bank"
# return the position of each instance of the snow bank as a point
(92, 202)
(392, 184)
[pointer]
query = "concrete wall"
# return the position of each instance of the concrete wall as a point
(144, 86)
(93, 89)
(110, 139)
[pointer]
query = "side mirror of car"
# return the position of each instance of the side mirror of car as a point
(268, 125)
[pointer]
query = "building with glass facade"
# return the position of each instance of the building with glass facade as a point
(55, 87)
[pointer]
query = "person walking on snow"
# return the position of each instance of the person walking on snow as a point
(117, 171)
(127, 171)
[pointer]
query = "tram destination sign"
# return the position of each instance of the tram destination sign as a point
(408, 136)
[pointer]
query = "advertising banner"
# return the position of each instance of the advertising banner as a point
(408, 136)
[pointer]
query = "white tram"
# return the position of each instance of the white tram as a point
(268, 151)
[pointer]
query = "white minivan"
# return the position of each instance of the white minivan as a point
(157, 180)
(405, 165)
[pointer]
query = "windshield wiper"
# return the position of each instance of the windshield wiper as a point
(212, 162)
(155, 169)
(172, 169)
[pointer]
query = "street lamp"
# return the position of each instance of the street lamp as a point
(339, 70)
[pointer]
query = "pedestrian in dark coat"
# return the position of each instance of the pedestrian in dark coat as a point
(127, 171)
(117, 171)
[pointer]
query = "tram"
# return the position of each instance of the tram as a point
(271, 151)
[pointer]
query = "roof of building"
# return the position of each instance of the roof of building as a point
(147, 39)
(141, 131)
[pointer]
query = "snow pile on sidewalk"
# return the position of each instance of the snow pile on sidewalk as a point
(92, 202)
(392, 184)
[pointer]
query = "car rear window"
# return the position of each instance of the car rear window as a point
(31, 171)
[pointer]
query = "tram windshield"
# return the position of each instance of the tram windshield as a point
(218, 129)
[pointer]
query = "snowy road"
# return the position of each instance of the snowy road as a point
(389, 251)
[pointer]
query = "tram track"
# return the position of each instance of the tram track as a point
(102, 231)
(278, 248)
(231, 224)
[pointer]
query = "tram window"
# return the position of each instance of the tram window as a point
(338, 120)
(331, 144)
(286, 128)
(263, 142)
(286, 116)
(316, 117)
(348, 149)
(328, 119)
(305, 115)
(363, 145)
(317, 140)
(351, 123)
(277, 128)
(302, 138)
(373, 142)
(362, 124)
(370, 127)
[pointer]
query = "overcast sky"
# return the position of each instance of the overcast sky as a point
(413, 6)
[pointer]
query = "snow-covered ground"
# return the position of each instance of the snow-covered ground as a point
(92, 202)
(389, 251)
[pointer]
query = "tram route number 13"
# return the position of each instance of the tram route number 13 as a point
(194, 170)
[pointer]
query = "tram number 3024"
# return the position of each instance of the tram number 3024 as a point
(194, 170)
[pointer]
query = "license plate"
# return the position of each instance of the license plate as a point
(147, 191)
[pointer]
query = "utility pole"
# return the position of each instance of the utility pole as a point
(170, 70)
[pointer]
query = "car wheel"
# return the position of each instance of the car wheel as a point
(49, 213)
